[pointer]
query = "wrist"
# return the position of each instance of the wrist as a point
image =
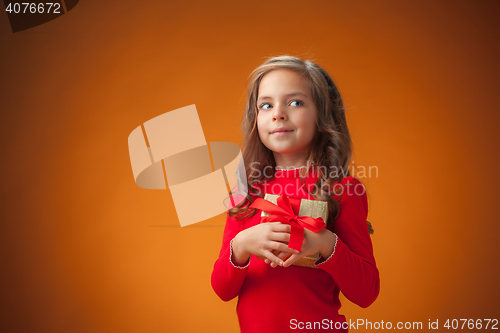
(240, 256)
(328, 243)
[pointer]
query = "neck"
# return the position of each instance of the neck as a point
(284, 161)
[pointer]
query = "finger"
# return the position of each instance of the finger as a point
(281, 247)
(290, 261)
(280, 236)
(280, 227)
(283, 255)
(272, 258)
(275, 252)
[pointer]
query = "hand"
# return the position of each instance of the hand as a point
(314, 242)
(261, 240)
(282, 255)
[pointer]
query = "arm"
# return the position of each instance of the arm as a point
(351, 263)
(239, 242)
(227, 276)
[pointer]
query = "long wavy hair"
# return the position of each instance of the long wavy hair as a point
(331, 147)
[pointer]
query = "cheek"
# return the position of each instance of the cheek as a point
(313, 119)
(261, 127)
(259, 122)
(308, 125)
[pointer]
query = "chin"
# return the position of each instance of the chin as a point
(284, 151)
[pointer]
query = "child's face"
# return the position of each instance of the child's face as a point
(287, 114)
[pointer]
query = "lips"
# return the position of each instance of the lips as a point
(281, 130)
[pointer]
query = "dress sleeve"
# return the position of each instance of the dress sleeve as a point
(227, 277)
(352, 264)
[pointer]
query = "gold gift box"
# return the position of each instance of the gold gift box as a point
(312, 208)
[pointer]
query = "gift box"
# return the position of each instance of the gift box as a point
(311, 208)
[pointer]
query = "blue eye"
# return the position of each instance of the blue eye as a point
(297, 101)
(262, 106)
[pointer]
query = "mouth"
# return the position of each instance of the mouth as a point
(282, 131)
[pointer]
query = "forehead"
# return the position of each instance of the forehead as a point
(283, 81)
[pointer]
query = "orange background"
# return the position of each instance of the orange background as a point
(84, 249)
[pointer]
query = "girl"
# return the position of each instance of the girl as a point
(296, 143)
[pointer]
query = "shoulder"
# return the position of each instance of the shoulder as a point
(350, 190)
(350, 180)
(241, 194)
(349, 184)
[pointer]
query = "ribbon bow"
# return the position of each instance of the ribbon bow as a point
(284, 213)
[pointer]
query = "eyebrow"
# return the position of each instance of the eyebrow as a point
(288, 95)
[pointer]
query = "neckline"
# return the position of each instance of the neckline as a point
(281, 169)
(301, 167)
(290, 173)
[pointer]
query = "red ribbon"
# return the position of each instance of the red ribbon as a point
(283, 212)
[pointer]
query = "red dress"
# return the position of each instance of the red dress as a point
(283, 299)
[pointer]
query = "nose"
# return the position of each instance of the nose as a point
(279, 113)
